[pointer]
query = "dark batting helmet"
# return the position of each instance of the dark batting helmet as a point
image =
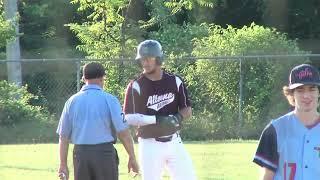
(150, 48)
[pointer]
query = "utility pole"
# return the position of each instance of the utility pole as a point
(13, 47)
(240, 113)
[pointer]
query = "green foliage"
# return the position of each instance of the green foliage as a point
(207, 125)
(176, 48)
(159, 14)
(98, 42)
(178, 6)
(215, 84)
(107, 31)
(118, 76)
(303, 17)
(51, 89)
(236, 13)
(166, 13)
(15, 107)
(44, 34)
(7, 31)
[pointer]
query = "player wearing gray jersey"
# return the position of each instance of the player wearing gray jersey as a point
(289, 147)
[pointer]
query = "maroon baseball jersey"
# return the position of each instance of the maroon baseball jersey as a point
(162, 97)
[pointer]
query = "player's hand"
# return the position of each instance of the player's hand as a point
(63, 173)
(133, 166)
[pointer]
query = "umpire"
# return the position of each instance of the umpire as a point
(91, 120)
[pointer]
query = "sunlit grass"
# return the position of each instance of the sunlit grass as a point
(230, 160)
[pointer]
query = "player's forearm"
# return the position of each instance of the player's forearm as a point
(140, 119)
(266, 174)
(186, 112)
(63, 150)
(127, 142)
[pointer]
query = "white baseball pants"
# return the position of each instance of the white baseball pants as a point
(154, 156)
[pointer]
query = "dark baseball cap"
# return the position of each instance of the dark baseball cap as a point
(93, 70)
(304, 74)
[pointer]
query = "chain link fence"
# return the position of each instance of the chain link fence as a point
(53, 81)
(233, 96)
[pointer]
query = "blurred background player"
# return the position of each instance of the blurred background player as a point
(289, 147)
(157, 103)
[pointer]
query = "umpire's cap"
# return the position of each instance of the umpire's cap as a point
(304, 74)
(149, 48)
(93, 70)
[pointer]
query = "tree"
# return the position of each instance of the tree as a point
(215, 84)
(303, 17)
(108, 32)
(6, 28)
(105, 29)
(42, 23)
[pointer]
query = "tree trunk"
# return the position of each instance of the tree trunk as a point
(13, 47)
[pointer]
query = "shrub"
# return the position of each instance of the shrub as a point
(214, 85)
(15, 107)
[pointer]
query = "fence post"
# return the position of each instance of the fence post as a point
(240, 115)
(78, 75)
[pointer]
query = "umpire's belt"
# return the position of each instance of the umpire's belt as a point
(93, 146)
(166, 138)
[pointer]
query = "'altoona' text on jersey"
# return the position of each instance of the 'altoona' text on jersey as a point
(157, 102)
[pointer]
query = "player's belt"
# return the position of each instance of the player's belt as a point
(166, 138)
(163, 139)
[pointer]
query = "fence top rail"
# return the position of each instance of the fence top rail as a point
(179, 58)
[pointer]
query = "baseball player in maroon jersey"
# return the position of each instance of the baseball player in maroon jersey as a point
(157, 103)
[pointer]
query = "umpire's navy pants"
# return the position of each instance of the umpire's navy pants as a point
(95, 162)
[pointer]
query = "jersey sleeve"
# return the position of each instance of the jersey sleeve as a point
(183, 95)
(267, 154)
(131, 101)
(128, 100)
(117, 116)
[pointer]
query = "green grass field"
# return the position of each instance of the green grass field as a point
(230, 160)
